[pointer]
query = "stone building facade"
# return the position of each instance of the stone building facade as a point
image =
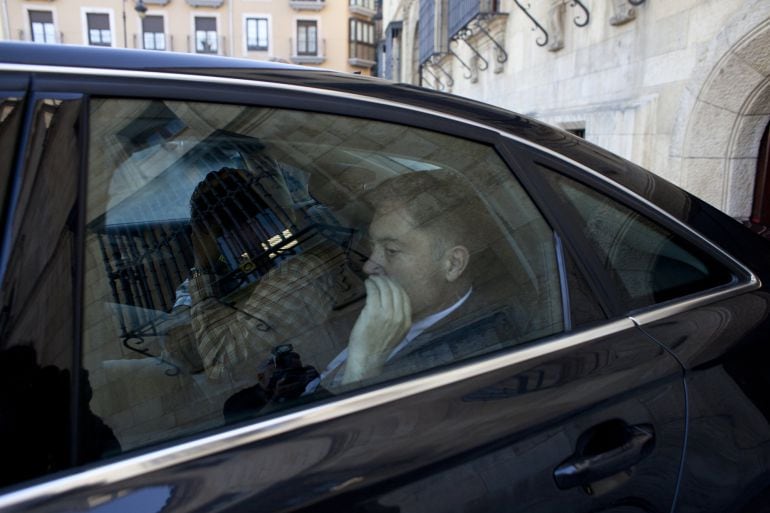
(681, 87)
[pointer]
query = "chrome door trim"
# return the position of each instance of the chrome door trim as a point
(660, 312)
(179, 454)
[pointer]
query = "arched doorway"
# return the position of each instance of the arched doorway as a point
(716, 139)
(760, 211)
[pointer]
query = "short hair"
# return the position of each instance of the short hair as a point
(441, 202)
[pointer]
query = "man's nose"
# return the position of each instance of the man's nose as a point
(371, 267)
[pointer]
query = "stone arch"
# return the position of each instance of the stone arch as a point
(723, 113)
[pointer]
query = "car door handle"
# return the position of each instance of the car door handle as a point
(586, 466)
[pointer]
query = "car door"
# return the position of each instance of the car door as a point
(565, 404)
(684, 291)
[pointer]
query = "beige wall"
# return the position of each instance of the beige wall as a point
(69, 17)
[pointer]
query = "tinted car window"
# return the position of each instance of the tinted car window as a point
(649, 263)
(10, 122)
(239, 260)
(37, 324)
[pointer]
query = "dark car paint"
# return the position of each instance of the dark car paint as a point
(393, 453)
(409, 455)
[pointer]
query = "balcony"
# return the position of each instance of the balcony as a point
(205, 3)
(307, 5)
(362, 55)
(363, 7)
(461, 12)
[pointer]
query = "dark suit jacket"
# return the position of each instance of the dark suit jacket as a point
(479, 326)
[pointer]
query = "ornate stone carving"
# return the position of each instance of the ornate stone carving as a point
(622, 13)
(556, 25)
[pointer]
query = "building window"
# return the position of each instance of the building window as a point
(152, 30)
(361, 38)
(580, 132)
(577, 128)
(99, 33)
(307, 37)
(205, 35)
(43, 30)
(256, 34)
(366, 4)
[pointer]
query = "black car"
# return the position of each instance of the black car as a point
(241, 286)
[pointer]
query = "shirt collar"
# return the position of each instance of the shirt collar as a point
(426, 322)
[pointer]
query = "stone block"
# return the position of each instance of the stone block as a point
(708, 131)
(747, 136)
(668, 67)
(708, 18)
(663, 10)
(612, 53)
(667, 167)
(740, 187)
(611, 83)
(730, 84)
(667, 100)
(744, 22)
(705, 178)
(755, 51)
(583, 58)
(687, 103)
(667, 34)
(564, 67)
(759, 103)
(516, 53)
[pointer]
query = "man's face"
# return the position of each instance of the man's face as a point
(408, 255)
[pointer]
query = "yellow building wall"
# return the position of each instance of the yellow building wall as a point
(69, 18)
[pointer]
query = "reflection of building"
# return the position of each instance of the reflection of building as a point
(147, 251)
(334, 34)
(681, 88)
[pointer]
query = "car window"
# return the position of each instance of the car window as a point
(649, 263)
(241, 260)
(38, 318)
(10, 123)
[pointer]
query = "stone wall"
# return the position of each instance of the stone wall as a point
(681, 87)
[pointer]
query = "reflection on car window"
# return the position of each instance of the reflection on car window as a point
(10, 123)
(38, 313)
(242, 260)
(650, 264)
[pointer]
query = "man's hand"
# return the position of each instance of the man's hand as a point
(382, 324)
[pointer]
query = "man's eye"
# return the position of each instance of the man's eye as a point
(391, 251)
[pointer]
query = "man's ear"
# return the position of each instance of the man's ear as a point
(455, 262)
